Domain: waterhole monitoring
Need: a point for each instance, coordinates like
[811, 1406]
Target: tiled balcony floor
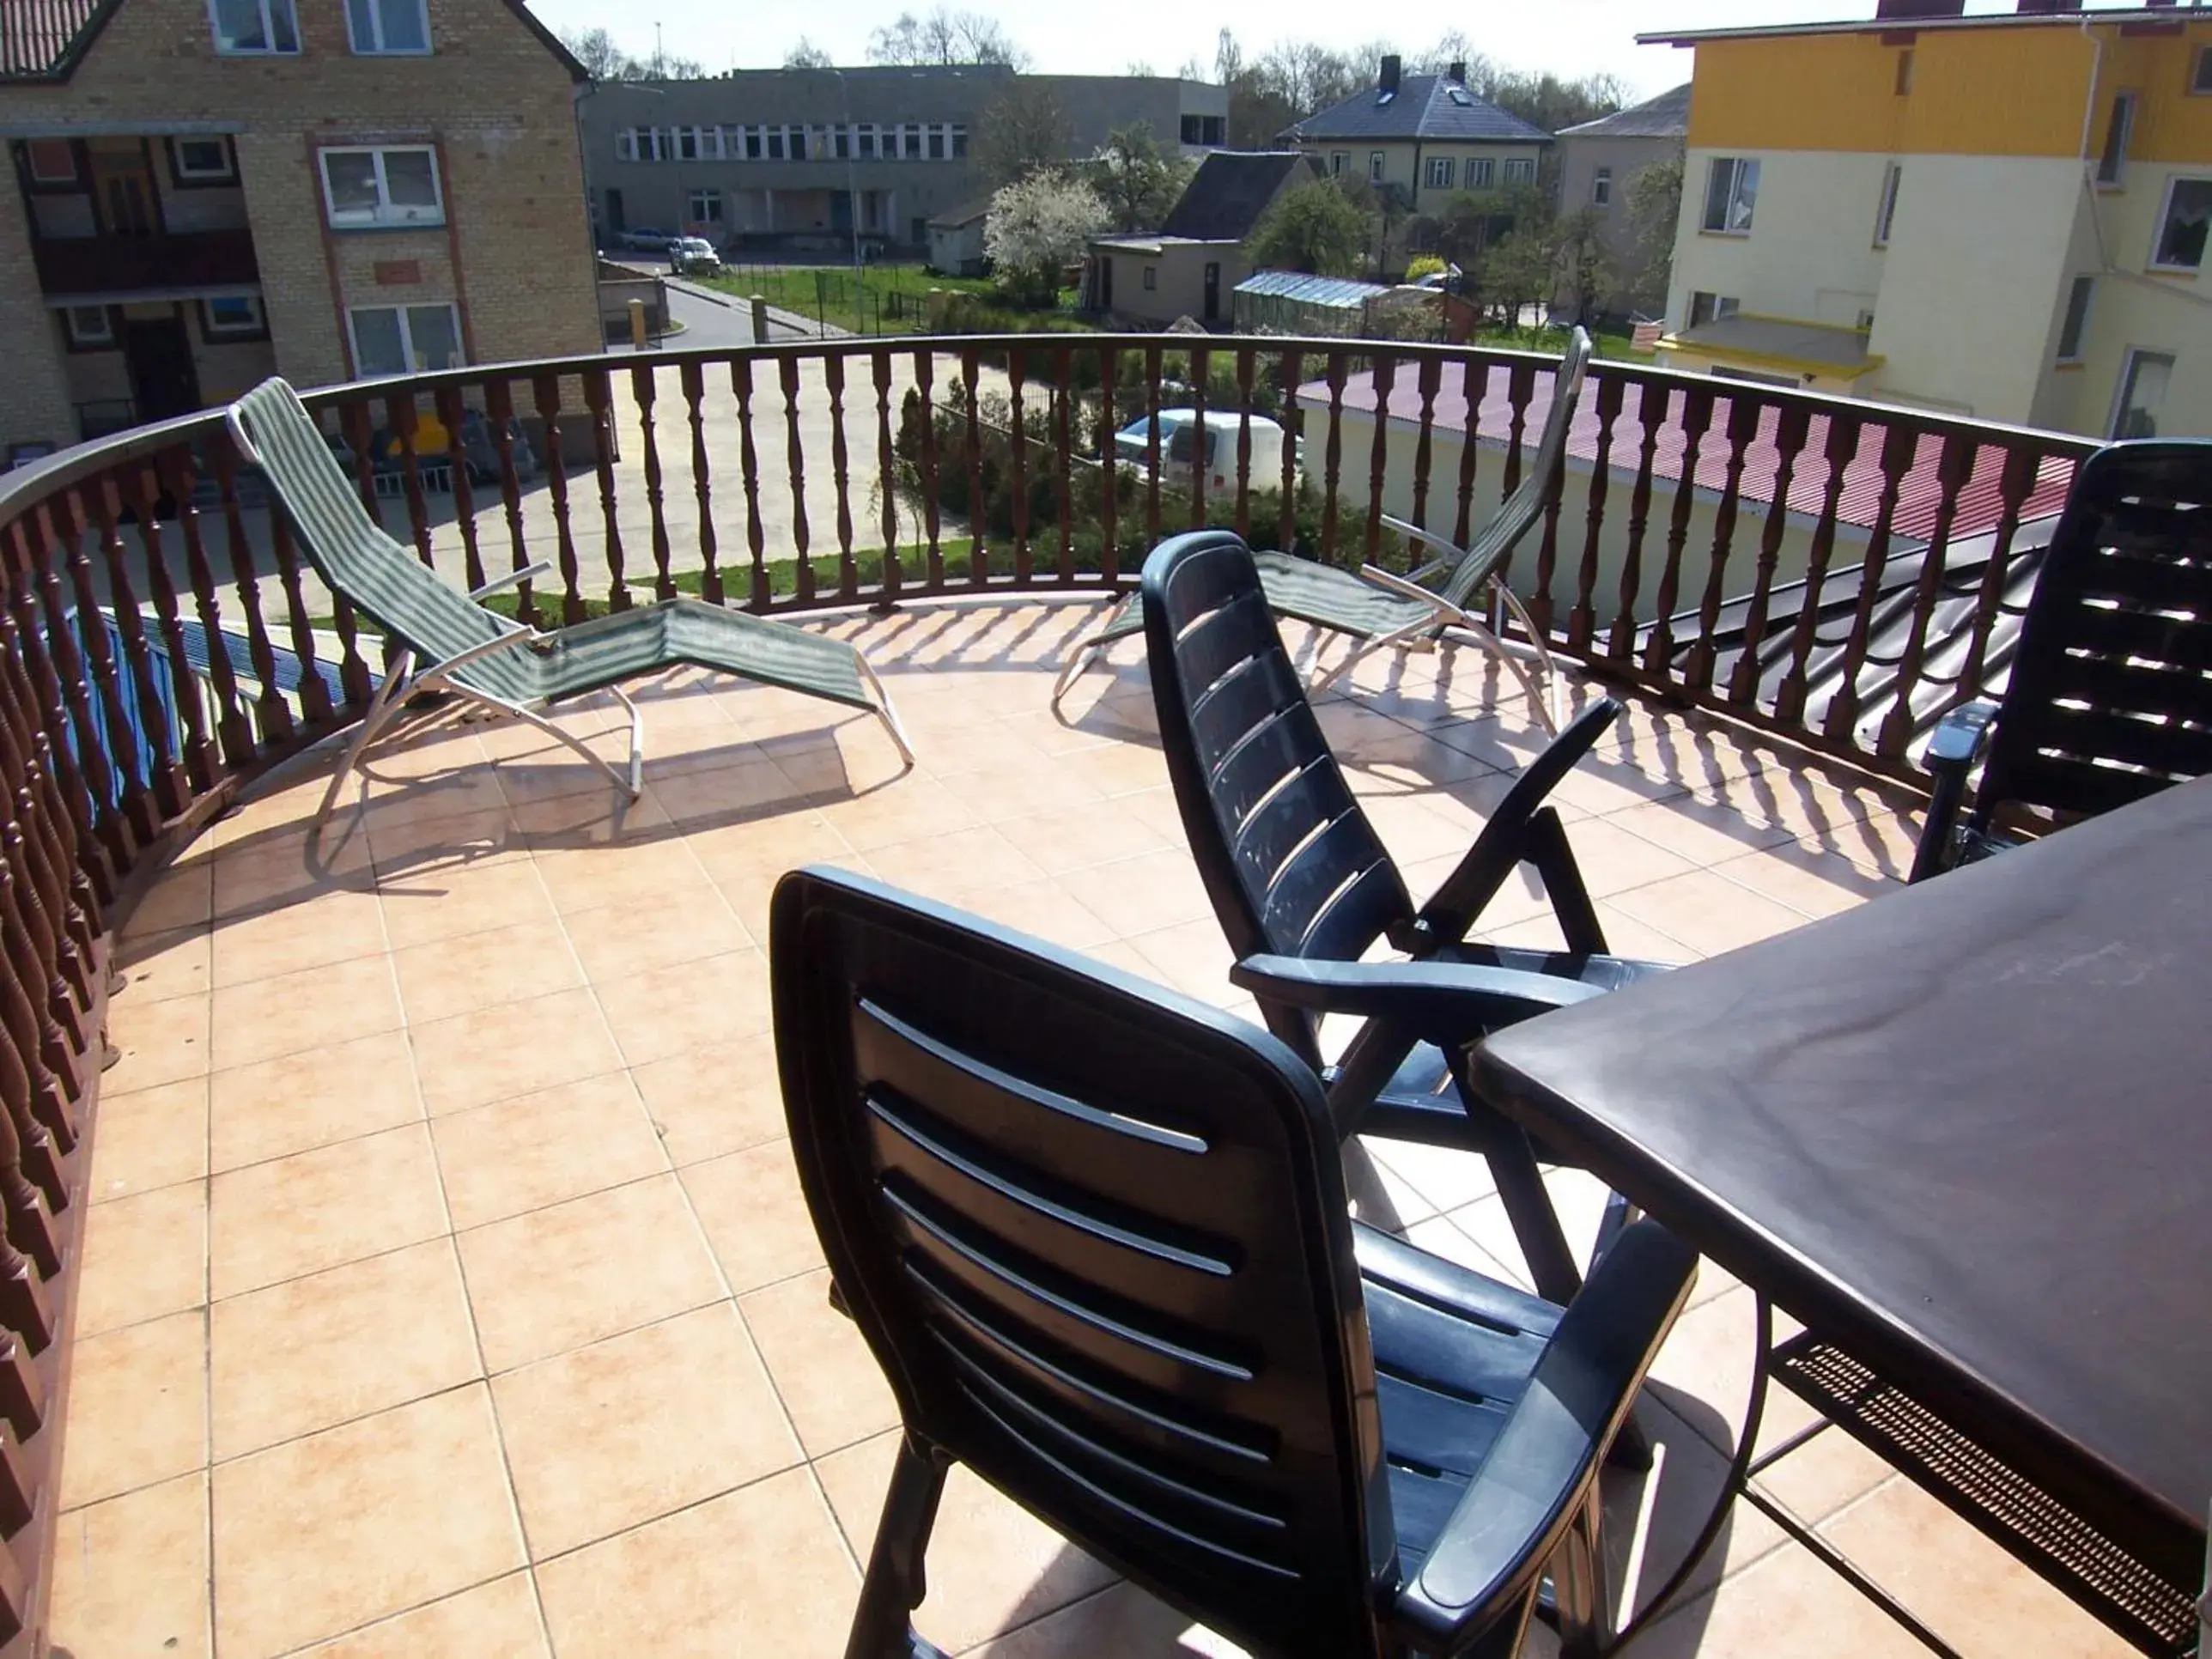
[448, 1290]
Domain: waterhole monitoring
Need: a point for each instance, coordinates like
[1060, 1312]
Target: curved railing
[1833, 570]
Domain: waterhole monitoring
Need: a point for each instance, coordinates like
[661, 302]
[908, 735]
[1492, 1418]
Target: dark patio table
[1964, 1133]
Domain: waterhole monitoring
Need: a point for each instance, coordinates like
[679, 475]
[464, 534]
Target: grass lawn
[1613, 344]
[883, 299]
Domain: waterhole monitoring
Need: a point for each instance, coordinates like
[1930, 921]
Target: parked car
[1180, 444]
[646, 241]
[694, 256]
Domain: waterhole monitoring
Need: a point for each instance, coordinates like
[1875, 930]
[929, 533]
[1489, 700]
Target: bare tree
[595, 48]
[806, 55]
[944, 36]
[1020, 131]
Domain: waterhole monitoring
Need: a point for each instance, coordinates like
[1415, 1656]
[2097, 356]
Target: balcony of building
[439, 1279]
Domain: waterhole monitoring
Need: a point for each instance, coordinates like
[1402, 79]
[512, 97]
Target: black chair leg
[1579, 1587]
[1536, 1225]
[895, 1586]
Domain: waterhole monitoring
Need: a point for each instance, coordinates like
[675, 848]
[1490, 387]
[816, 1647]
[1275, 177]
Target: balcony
[438, 1279]
[91, 267]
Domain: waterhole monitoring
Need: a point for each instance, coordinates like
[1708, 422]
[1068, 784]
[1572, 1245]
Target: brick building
[208, 191]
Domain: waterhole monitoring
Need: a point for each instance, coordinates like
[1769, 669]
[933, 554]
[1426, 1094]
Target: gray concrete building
[1598, 161]
[794, 158]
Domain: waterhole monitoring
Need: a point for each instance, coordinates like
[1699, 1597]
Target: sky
[1572, 37]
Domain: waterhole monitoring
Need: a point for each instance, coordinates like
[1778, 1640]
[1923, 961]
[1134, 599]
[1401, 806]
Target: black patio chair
[1303, 887]
[1096, 1235]
[2110, 697]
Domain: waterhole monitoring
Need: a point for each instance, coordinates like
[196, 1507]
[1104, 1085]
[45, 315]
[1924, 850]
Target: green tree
[1314, 228]
[1137, 179]
[1586, 276]
[1654, 208]
[1020, 131]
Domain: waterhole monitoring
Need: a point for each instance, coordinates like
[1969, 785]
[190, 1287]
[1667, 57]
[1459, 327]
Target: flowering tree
[1039, 226]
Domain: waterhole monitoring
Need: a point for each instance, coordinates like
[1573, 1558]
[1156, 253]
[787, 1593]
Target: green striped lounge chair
[449, 642]
[1383, 610]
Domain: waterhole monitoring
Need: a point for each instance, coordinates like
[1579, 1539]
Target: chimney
[1905, 9]
[1457, 73]
[1389, 84]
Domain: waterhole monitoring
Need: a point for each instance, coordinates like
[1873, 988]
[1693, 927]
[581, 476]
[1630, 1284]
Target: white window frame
[31, 161]
[1739, 169]
[2085, 286]
[2165, 211]
[224, 174]
[1374, 166]
[1601, 187]
[1885, 210]
[2130, 362]
[406, 331]
[1725, 306]
[1482, 173]
[703, 193]
[1519, 170]
[378, 49]
[268, 10]
[2112, 159]
[626, 144]
[383, 218]
[959, 144]
[256, 327]
[88, 340]
[2200, 79]
[1440, 171]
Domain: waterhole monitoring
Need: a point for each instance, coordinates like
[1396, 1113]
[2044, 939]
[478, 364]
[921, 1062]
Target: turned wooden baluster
[399, 414]
[741, 388]
[1520, 388]
[1428, 376]
[46, 827]
[1548, 549]
[499, 415]
[1900, 449]
[1841, 444]
[1018, 463]
[353, 423]
[54, 961]
[1200, 463]
[833, 377]
[642, 387]
[926, 394]
[979, 558]
[1152, 374]
[795, 461]
[691, 376]
[1955, 465]
[2022, 469]
[56, 1078]
[234, 731]
[1742, 431]
[1384, 380]
[1063, 397]
[887, 483]
[1582, 620]
[452, 415]
[25, 1147]
[198, 756]
[1110, 476]
[545, 395]
[599, 403]
[92, 876]
[1244, 443]
[34, 1103]
[167, 779]
[1286, 517]
[272, 713]
[1697, 417]
[126, 809]
[1652, 412]
[1792, 427]
[1332, 463]
[1473, 387]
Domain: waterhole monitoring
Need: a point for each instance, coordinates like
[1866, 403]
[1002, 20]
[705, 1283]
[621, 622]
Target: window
[798, 143]
[1440, 171]
[2201, 83]
[2113, 161]
[1521, 172]
[367, 188]
[2143, 382]
[1151, 277]
[233, 316]
[867, 140]
[53, 160]
[251, 25]
[914, 143]
[88, 326]
[380, 26]
[706, 207]
[1338, 160]
[1709, 308]
[937, 143]
[1481, 175]
[755, 142]
[1374, 166]
[687, 143]
[2181, 226]
[404, 339]
[626, 144]
[1731, 193]
[1888, 210]
[201, 162]
[1601, 187]
[1903, 85]
[2077, 320]
[959, 144]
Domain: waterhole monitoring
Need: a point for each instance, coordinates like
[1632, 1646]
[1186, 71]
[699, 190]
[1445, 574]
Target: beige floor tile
[595, 877]
[1611, 859]
[1578, 1199]
[1006, 791]
[710, 786]
[457, 976]
[545, 1148]
[294, 1013]
[262, 945]
[1044, 910]
[1703, 831]
[822, 1371]
[1060, 838]
[957, 862]
[545, 1282]
[288, 869]
[1814, 883]
[1671, 1503]
[621, 939]
[1881, 843]
[137, 1408]
[767, 845]
[1123, 1621]
[1787, 1605]
[183, 898]
[1193, 957]
[144, 1256]
[909, 810]
[311, 1352]
[274, 1221]
[160, 1042]
[664, 1010]
[317, 1536]
[992, 1565]
[159, 966]
[131, 1575]
[1141, 894]
[519, 1048]
[423, 908]
[299, 1102]
[604, 1438]
[151, 1138]
[755, 1216]
[497, 1620]
[687, 1586]
[1707, 912]
[707, 1102]
[438, 850]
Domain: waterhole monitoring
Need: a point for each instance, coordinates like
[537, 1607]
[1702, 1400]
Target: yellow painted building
[2003, 216]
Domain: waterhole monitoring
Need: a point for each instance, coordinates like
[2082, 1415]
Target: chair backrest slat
[1518, 513]
[1096, 1235]
[2110, 697]
[1290, 861]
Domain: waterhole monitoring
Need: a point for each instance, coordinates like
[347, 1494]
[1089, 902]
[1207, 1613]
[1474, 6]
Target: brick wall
[495, 101]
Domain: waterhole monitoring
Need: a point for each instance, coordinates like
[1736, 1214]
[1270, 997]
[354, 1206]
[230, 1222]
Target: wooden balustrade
[1793, 561]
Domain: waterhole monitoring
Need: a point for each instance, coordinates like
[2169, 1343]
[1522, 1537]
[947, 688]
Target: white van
[1180, 444]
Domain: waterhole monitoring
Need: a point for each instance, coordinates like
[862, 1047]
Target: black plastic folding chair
[2110, 697]
[1303, 887]
[1096, 1235]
